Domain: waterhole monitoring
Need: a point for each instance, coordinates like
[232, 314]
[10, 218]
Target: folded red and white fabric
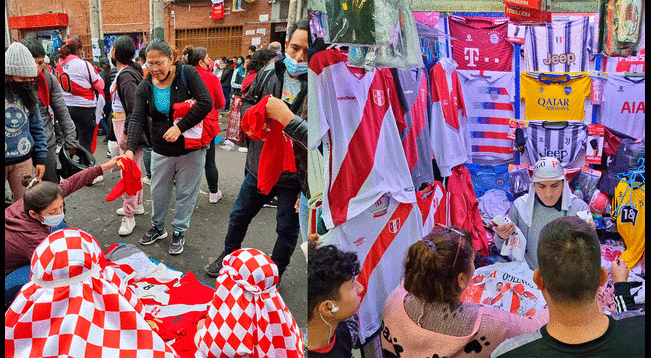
[247, 316]
[75, 306]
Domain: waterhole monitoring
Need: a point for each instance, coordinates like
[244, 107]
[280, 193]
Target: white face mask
[53, 220]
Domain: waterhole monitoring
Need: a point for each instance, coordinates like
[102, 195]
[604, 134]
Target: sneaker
[176, 245]
[243, 149]
[140, 209]
[214, 198]
[146, 180]
[273, 203]
[213, 268]
[152, 235]
[127, 225]
[99, 179]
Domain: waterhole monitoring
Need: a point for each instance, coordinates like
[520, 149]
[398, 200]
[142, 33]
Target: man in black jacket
[286, 81]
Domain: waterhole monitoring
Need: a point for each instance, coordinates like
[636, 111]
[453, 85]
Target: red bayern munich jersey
[480, 43]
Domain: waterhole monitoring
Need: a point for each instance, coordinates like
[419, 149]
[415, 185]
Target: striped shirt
[563, 143]
[564, 45]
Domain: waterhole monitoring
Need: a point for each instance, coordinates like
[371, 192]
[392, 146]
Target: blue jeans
[302, 213]
[227, 96]
[146, 158]
[249, 202]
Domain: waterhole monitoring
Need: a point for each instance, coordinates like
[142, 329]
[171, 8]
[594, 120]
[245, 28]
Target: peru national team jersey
[77, 88]
[381, 236]
[354, 119]
[623, 107]
[564, 45]
[480, 43]
[450, 137]
[411, 87]
[555, 96]
[489, 103]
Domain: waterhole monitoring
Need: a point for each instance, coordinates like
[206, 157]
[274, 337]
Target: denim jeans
[146, 159]
[227, 96]
[247, 205]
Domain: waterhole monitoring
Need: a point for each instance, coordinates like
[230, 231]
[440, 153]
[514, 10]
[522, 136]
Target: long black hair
[194, 54]
[125, 49]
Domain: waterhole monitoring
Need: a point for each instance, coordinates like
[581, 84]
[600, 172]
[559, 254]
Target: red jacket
[214, 87]
[464, 207]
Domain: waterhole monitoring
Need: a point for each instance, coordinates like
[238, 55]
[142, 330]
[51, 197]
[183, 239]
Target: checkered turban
[73, 307]
[247, 317]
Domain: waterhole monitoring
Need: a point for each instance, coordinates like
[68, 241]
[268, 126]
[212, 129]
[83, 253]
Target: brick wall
[128, 16]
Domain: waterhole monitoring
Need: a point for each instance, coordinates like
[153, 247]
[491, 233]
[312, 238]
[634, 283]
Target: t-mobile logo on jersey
[472, 54]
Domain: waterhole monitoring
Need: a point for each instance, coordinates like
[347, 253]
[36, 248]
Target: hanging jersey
[431, 202]
[625, 64]
[563, 143]
[357, 124]
[450, 137]
[507, 286]
[480, 43]
[76, 85]
[380, 236]
[628, 209]
[623, 109]
[411, 87]
[554, 96]
[564, 45]
[489, 103]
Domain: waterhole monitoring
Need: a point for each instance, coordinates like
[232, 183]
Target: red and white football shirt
[412, 90]
[623, 107]
[480, 43]
[381, 236]
[75, 82]
[450, 136]
[431, 202]
[489, 103]
[357, 118]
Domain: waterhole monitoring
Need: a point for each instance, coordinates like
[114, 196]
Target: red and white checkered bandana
[72, 307]
[247, 317]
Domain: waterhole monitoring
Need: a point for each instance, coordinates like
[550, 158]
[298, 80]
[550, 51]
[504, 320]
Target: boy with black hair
[333, 299]
[569, 276]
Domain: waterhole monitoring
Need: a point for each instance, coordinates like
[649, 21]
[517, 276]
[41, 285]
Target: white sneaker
[243, 149]
[140, 209]
[146, 180]
[214, 198]
[98, 180]
[127, 225]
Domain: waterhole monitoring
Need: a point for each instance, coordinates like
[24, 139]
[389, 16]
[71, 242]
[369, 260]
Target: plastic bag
[351, 22]
[585, 182]
[625, 160]
[516, 244]
[486, 177]
[519, 179]
[395, 22]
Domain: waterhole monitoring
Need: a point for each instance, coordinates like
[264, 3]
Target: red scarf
[130, 182]
[277, 153]
[42, 89]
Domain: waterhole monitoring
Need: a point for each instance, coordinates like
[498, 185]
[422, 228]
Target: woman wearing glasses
[427, 318]
[171, 163]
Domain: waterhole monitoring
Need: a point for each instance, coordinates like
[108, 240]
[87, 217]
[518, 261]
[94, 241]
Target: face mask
[53, 220]
[294, 68]
[114, 62]
[22, 87]
[239, 62]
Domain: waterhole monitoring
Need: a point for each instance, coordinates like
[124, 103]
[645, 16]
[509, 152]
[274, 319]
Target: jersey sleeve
[318, 125]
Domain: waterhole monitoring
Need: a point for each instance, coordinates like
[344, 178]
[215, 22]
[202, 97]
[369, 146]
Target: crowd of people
[53, 113]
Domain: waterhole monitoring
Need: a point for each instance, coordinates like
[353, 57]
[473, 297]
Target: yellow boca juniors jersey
[554, 96]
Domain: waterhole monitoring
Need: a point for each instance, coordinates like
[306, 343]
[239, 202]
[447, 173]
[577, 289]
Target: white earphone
[334, 307]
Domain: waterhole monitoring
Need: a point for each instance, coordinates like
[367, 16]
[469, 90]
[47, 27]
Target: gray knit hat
[19, 61]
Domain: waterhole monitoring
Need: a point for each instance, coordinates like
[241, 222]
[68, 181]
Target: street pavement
[87, 209]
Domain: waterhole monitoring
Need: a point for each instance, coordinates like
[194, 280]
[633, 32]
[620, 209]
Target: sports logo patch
[394, 226]
[567, 90]
[378, 97]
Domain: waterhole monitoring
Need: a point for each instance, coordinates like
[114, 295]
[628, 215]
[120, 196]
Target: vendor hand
[277, 110]
[297, 206]
[111, 163]
[172, 134]
[505, 230]
[201, 323]
[314, 238]
[72, 151]
[128, 154]
[40, 170]
[619, 270]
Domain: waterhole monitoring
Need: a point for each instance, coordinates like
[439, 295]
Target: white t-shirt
[354, 119]
[380, 236]
[77, 88]
[623, 106]
[116, 103]
[489, 103]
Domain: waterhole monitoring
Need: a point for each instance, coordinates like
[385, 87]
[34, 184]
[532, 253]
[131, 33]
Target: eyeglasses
[155, 65]
[462, 235]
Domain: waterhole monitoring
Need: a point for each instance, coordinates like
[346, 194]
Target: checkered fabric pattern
[247, 317]
[73, 308]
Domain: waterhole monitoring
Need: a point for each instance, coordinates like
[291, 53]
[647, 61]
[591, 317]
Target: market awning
[30, 22]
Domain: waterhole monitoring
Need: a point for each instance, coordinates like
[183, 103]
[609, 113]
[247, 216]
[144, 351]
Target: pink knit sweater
[403, 338]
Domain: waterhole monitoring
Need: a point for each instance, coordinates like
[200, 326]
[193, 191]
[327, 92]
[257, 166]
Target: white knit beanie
[19, 61]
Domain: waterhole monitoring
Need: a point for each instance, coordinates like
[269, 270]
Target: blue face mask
[295, 68]
[53, 220]
[239, 62]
